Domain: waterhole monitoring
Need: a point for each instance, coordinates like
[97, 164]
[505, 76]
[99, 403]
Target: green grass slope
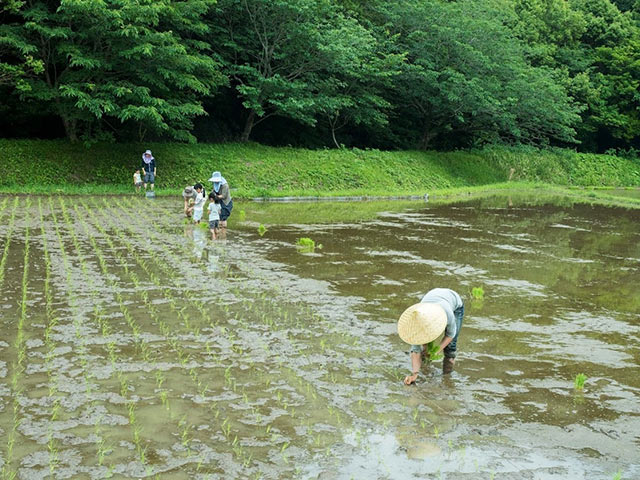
[256, 170]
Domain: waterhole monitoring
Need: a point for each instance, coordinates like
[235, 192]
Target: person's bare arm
[416, 363]
[443, 344]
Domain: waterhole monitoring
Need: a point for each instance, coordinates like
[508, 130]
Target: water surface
[134, 346]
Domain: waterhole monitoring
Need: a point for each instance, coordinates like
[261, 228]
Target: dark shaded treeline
[375, 73]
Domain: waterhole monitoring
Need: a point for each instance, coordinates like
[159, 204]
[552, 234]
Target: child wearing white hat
[441, 310]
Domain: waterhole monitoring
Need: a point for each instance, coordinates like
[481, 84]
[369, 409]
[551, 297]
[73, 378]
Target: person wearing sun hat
[221, 191]
[440, 310]
[148, 166]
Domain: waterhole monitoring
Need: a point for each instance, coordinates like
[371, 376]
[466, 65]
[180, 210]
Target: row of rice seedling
[77, 315]
[148, 355]
[50, 346]
[168, 330]
[7, 242]
[249, 306]
[9, 470]
[3, 206]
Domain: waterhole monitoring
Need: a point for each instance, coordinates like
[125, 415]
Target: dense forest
[387, 74]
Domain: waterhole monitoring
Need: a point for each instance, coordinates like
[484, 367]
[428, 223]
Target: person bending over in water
[440, 310]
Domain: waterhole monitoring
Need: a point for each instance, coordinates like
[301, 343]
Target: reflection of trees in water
[583, 254]
[537, 259]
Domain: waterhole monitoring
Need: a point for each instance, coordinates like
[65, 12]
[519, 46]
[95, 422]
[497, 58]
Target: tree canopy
[377, 73]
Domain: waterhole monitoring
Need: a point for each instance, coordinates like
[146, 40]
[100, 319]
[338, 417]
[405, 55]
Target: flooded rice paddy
[133, 346]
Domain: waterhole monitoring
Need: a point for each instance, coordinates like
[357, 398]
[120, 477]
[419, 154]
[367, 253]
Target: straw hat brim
[422, 323]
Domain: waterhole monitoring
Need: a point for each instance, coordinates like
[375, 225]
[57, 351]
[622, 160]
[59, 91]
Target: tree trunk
[333, 135]
[248, 126]
[427, 136]
[70, 128]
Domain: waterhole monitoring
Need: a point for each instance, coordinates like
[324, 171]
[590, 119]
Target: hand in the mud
[409, 379]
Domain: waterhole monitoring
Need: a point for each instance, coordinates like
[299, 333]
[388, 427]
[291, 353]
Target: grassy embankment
[253, 170]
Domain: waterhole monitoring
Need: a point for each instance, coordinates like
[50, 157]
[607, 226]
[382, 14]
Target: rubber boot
[447, 365]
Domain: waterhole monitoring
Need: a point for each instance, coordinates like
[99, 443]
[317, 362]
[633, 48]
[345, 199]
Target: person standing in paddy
[148, 168]
[440, 310]
[222, 193]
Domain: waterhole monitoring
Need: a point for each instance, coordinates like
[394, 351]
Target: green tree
[611, 45]
[594, 51]
[300, 59]
[106, 63]
[467, 78]
[354, 83]
[16, 55]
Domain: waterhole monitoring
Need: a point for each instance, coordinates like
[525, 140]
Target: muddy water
[133, 346]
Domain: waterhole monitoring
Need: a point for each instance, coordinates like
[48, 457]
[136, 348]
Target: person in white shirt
[137, 180]
[198, 205]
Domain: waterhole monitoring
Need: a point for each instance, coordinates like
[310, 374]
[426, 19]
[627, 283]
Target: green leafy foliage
[130, 62]
[382, 74]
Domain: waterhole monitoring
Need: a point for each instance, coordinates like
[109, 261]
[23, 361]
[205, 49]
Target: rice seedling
[184, 359]
[432, 351]
[9, 237]
[262, 230]
[578, 382]
[8, 470]
[477, 293]
[305, 245]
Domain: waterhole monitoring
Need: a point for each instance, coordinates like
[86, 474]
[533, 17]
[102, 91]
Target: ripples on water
[145, 349]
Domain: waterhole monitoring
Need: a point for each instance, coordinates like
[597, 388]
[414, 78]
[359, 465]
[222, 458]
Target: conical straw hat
[422, 323]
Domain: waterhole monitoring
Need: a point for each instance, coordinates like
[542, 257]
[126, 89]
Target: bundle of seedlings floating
[477, 298]
[306, 245]
[477, 293]
[578, 382]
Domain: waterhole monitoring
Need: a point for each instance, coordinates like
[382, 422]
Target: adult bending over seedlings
[221, 191]
[440, 310]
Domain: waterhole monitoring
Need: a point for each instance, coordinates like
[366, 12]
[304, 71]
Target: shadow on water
[146, 349]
